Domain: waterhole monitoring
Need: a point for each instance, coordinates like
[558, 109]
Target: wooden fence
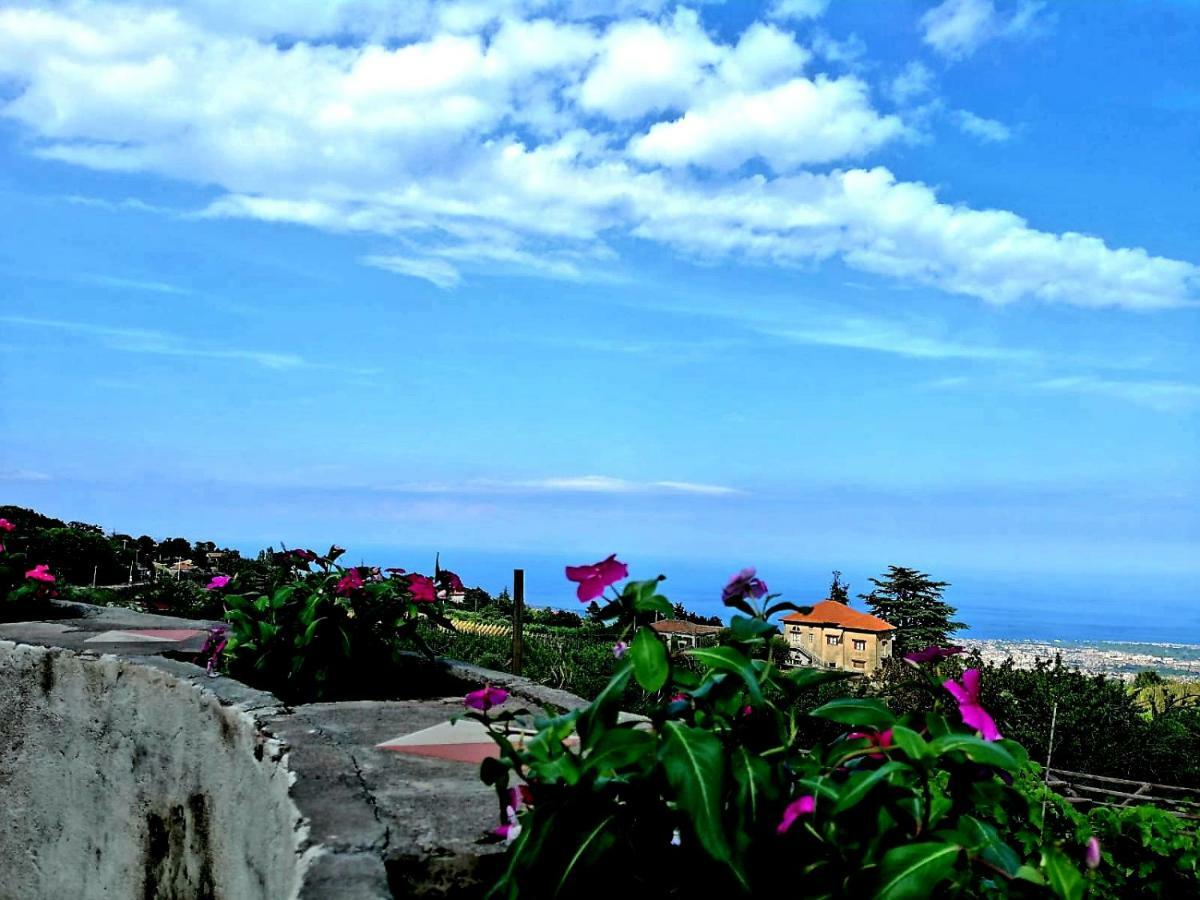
[1085, 790]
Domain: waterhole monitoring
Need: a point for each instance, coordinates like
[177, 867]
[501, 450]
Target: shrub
[327, 633]
[713, 794]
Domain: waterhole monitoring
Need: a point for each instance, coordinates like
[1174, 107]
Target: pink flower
[6, 525]
[742, 585]
[595, 578]
[485, 698]
[421, 589]
[40, 573]
[349, 582]
[1091, 856]
[880, 739]
[450, 582]
[219, 581]
[304, 555]
[620, 648]
[801, 806]
[973, 714]
[932, 653]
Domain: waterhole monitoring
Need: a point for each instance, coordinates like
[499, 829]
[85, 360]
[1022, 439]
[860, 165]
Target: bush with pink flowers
[317, 630]
[712, 794]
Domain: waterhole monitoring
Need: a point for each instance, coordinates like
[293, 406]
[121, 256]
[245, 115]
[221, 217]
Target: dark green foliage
[912, 601]
[838, 589]
[693, 802]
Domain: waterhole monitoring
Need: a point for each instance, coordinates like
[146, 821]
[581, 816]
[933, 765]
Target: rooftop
[830, 612]
[679, 626]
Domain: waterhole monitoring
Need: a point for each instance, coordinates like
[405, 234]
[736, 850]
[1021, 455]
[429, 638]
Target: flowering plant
[322, 630]
[712, 793]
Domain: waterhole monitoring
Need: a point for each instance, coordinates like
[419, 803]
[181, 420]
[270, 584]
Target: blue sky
[830, 287]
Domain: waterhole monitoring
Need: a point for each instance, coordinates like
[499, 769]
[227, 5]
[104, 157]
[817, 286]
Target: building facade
[680, 634]
[834, 636]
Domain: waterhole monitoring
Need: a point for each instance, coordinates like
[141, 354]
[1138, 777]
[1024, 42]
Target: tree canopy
[912, 601]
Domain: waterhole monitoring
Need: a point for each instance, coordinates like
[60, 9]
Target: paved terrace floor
[381, 823]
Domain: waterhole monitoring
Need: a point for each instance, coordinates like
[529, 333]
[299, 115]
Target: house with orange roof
[834, 636]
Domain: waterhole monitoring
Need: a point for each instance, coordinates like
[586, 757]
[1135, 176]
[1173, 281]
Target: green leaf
[752, 774]
[745, 630]
[1030, 874]
[913, 871]
[806, 678]
[727, 659]
[601, 713]
[909, 741]
[850, 711]
[981, 838]
[780, 607]
[649, 657]
[619, 748]
[594, 844]
[978, 750]
[861, 783]
[693, 761]
[1064, 879]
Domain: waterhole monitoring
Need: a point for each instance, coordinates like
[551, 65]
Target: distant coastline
[1117, 659]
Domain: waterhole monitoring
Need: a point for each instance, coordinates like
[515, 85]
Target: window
[859, 664]
[860, 645]
[832, 640]
[833, 665]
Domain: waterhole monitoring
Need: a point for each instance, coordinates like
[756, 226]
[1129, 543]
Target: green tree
[912, 601]
[838, 589]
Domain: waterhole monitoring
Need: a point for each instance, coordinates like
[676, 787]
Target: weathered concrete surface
[295, 802]
[119, 780]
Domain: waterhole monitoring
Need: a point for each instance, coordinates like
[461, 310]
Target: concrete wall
[118, 780]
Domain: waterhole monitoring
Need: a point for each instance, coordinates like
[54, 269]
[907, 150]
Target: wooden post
[518, 620]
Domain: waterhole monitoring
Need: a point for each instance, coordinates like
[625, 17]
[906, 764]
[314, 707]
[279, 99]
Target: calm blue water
[1150, 608]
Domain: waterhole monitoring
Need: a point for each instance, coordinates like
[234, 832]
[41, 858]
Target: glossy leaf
[649, 658]
[909, 741]
[693, 761]
[913, 871]
[1061, 876]
[855, 790]
[727, 659]
[977, 750]
[852, 711]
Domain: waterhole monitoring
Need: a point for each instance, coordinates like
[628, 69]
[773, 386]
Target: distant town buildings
[834, 636]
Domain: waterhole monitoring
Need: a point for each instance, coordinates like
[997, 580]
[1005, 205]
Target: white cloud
[914, 81]
[797, 123]
[1160, 395]
[533, 145]
[897, 338]
[957, 28]
[797, 10]
[574, 484]
[985, 129]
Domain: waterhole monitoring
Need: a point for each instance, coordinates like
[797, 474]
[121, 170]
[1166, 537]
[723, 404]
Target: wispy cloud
[988, 130]
[134, 284]
[572, 484]
[159, 343]
[1160, 395]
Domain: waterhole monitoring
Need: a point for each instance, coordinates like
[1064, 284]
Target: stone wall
[119, 780]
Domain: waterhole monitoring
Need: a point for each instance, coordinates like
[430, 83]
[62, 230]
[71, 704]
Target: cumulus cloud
[957, 28]
[539, 141]
[985, 129]
[797, 10]
[914, 81]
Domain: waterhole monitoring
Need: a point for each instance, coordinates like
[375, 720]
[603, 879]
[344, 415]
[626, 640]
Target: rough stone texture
[132, 775]
[119, 780]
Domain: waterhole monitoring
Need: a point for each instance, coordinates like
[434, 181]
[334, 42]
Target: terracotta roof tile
[830, 612]
[679, 626]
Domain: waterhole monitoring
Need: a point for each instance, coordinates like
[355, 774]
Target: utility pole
[1049, 754]
[518, 620]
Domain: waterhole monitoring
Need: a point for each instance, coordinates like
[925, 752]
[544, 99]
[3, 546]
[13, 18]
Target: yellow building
[834, 636]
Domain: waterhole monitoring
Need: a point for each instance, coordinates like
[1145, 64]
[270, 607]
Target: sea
[1009, 605]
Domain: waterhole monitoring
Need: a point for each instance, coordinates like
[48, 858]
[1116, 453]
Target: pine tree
[838, 589]
[912, 601]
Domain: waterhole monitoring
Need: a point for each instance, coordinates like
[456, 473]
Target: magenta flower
[972, 712]
[1091, 855]
[349, 582]
[932, 653]
[6, 525]
[801, 806]
[742, 585]
[880, 739]
[304, 555]
[595, 578]
[620, 648]
[214, 645]
[40, 573]
[449, 582]
[485, 698]
[219, 581]
[421, 589]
